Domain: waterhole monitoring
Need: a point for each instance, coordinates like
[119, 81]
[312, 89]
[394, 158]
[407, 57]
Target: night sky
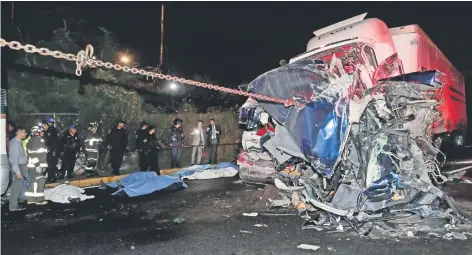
[234, 42]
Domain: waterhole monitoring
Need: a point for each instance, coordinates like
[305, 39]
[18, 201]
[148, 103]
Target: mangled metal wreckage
[359, 150]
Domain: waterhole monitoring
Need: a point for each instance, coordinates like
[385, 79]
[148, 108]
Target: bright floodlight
[125, 59]
[173, 86]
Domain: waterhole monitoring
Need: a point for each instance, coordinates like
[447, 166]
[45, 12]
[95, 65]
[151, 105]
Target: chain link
[85, 59]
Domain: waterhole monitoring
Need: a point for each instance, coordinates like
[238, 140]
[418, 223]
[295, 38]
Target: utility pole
[161, 60]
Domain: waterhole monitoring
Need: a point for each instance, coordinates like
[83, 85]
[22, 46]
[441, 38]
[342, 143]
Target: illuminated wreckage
[359, 154]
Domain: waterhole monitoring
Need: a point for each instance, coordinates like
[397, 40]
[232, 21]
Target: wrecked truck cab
[358, 145]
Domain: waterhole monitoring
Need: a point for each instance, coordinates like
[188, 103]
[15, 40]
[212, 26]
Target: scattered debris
[132, 247]
[455, 235]
[245, 231]
[261, 225]
[410, 234]
[308, 247]
[179, 220]
[284, 202]
[253, 214]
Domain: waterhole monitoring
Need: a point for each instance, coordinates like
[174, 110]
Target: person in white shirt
[198, 143]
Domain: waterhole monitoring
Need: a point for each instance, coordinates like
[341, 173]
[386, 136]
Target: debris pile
[359, 155]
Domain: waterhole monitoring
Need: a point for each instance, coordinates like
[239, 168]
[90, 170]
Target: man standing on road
[18, 163]
[70, 146]
[214, 133]
[198, 143]
[176, 143]
[141, 134]
[52, 142]
[117, 141]
[37, 164]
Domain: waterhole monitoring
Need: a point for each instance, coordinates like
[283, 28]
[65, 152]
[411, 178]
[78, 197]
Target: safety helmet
[36, 129]
[49, 120]
[72, 126]
[93, 124]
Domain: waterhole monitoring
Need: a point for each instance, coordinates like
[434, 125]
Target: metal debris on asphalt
[308, 247]
[253, 214]
[179, 220]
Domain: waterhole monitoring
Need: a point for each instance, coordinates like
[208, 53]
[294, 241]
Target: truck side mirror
[283, 62]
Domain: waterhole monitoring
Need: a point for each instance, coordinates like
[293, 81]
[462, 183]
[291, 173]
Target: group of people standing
[34, 157]
[148, 145]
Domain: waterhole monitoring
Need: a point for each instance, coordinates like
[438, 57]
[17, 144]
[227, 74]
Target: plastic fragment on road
[179, 220]
[308, 247]
[143, 183]
[253, 214]
[260, 225]
[65, 194]
[245, 232]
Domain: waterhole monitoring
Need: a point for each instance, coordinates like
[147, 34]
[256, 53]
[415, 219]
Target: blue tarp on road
[143, 183]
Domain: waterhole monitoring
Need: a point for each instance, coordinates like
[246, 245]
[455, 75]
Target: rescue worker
[18, 162]
[213, 133]
[70, 148]
[90, 144]
[198, 143]
[176, 143]
[117, 141]
[37, 165]
[151, 147]
[141, 134]
[52, 142]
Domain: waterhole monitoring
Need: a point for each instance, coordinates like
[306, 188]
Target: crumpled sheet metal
[318, 128]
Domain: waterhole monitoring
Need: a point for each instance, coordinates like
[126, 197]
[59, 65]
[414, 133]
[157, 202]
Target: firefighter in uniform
[37, 164]
[70, 148]
[90, 144]
[117, 141]
[141, 134]
[52, 142]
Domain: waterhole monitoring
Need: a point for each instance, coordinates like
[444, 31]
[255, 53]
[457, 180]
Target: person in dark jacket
[52, 142]
[70, 148]
[11, 130]
[117, 141]
[141, 134]
[151, 146]
[90, 144]
[37, 164]
[176, 143]
[213, 134]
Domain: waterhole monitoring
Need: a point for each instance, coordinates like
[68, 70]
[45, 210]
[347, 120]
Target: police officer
[141, 134]
[37, 163]
[117, 141]
[151, 146]
[90, 144]
[52, 142]
[176, 143]
[70, 148]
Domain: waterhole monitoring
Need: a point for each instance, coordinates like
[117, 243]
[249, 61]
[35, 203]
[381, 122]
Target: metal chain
[85, 58]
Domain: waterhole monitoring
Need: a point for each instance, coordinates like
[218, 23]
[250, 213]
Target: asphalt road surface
[213, 225]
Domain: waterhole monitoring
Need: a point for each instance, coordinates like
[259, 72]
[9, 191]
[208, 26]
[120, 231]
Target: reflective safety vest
[37, 152]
